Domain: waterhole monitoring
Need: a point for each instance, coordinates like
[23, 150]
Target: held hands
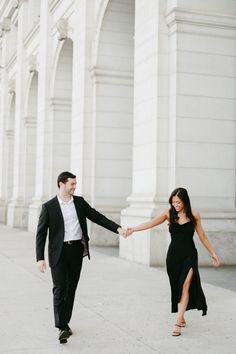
[125, 232]
[129, 231]
[122, 232]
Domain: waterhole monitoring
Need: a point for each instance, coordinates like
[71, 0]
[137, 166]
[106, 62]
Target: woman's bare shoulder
[196, 214]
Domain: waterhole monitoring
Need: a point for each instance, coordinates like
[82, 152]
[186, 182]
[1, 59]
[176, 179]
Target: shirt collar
[62, 202]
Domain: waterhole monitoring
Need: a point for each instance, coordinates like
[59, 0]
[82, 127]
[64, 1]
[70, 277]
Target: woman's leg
[183, 303]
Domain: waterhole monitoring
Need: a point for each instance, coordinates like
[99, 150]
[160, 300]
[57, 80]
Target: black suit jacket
[51, 219]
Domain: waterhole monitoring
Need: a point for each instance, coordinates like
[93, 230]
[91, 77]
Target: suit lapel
[78, 210]
[57, 207]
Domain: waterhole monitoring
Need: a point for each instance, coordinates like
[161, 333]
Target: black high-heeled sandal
[175, 333]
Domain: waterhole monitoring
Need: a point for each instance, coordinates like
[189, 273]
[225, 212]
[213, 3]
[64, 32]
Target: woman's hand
[215, 260]
[129, 231]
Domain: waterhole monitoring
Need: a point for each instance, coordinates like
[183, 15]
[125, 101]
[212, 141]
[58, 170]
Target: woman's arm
[206, 243]
[149, 224]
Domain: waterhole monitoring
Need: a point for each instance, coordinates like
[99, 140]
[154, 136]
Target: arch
[100, 16]
[56, 59]
[61, 106]
[32, 76]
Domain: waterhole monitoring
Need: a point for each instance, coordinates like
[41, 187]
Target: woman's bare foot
[183, 323]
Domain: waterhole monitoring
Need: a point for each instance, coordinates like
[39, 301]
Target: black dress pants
[65, 276]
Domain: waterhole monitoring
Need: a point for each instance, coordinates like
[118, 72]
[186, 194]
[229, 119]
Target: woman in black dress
[182, 257]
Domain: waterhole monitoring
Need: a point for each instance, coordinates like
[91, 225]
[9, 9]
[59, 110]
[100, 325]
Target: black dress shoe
[63, 336]
[68, 329]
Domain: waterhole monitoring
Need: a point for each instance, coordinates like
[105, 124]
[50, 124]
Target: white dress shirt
[73, 229]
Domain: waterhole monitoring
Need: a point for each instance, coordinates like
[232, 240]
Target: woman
[182, 257]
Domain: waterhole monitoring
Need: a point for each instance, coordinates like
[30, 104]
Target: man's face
[69, 187]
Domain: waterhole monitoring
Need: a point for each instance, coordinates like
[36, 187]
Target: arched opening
[61, 112]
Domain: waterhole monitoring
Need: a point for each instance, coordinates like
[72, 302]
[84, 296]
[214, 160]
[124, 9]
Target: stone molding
[11, 86]
[54, 4]
[111, 76]
[5, 25]
[11, 63]
[32, 63]
[62, 29]
[9, 8]
[30, 122]
[210, 21]
[9, 133]
[60, 103]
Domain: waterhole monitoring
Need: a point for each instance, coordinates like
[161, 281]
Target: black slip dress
[181, 257]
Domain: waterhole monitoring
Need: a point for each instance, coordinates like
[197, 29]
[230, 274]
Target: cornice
[180, 16]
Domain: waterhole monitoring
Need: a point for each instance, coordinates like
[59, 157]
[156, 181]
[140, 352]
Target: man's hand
[42, 266]
[121, 232]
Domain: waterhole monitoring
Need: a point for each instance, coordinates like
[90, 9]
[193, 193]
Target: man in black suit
[64, 217]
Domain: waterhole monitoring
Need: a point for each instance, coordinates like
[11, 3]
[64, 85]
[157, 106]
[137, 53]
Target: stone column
[44, 128]
[3, 100]
[150, 144]
[16, 208]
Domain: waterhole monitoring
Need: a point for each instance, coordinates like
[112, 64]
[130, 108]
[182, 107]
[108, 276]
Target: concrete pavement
[120, 308]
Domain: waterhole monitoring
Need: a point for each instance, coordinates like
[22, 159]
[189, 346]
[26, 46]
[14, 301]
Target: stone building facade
[136, 97]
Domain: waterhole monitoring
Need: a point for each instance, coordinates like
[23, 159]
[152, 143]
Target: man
[65, 217]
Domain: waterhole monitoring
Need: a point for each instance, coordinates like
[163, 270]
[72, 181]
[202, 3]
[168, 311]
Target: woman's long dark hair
[182, 194]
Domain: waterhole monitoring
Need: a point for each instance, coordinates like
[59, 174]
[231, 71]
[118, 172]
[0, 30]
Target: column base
[99, 236]
[3, 212]
[17, 214]
[146, 247]
[34, 212]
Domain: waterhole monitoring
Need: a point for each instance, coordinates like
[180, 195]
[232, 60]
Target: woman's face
[177, 204]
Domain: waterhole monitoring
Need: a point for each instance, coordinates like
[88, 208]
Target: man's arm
[41, 236]
[100, 219]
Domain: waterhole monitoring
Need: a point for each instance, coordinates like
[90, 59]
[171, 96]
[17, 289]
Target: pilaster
[16, 209]
[3, 108]
[44, 128]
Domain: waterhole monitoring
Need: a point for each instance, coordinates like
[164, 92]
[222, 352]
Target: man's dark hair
[63, 177]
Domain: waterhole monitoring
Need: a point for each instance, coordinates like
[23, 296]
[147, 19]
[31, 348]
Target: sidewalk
[120, 308]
